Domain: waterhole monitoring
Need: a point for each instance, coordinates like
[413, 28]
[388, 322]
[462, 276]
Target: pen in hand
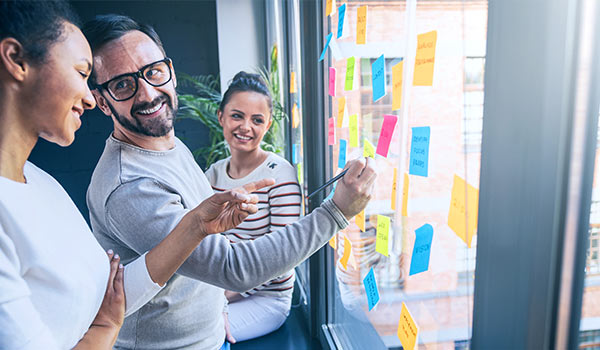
[339, 176]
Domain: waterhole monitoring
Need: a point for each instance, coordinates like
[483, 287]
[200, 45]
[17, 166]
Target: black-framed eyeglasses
[125, 86]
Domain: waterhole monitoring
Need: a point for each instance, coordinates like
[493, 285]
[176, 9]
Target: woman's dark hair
[246, 82]
[105, 28]
[35, 24]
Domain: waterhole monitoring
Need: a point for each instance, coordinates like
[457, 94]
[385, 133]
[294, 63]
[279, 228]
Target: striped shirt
[278, 206]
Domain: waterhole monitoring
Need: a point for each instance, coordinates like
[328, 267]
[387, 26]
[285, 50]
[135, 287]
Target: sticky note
[333, 242]
[329, 7]
[329, 36]
[342, 154]
[383, 230]
[353, 130]
[367, 122]
[423, 74]
[293, 88]
[349, 74]
[330, 195]
[346, 256]
[341, 111]
[419, 151]
[394, 186]
[463, 211]
[341, 15]
[361, 25]
[294, 153]
[419, 261]
[331, 131]
[368, 149]
[295, 116]
[385, 136]
[397, 85]
[371, 289]
[300, 174]
[331, 81]
[405, 196]
[378, 78]
[407, 329]
[360, 220]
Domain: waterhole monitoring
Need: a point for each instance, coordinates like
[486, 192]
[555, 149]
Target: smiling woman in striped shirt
[245, 115]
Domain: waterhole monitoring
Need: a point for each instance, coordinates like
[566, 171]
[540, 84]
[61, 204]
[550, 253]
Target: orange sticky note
[295, 116]
[293, 88]
[346, 256]
[329, 7]
[360, 220]
[397, 86]
[383, 231]
[405, 196]
[425, 58]
[394, 186]
[463, 211]
[361, 25]
[369, 149]
[333, 242]
[353, 130]
[341, 110]
[407, 329]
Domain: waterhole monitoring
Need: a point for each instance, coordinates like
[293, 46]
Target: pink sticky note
[331, 81]
[385, 137]
[331, 132]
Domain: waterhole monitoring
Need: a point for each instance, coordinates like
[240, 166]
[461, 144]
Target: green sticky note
[300, 174]
[349, 74]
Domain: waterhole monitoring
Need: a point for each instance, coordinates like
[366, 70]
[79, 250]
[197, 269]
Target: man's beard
[154, 127]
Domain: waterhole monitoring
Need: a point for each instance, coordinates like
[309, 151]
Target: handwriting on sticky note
[331, 132]
[383, 231]
[329, 7]
[361, 25]
[407, 329]
[425, 58]
[419, 151]
[341, 111]
[394, 188]
[342, 154]
[293, 88]
[368, 149]
[397, 85]
[331, 81]
[349, 74]
[353, 130]
[419, 261]
[346, 256]
[385, 136]
[378, 78]
[405, 196]
[360, 220]
[300, 174]
[328, 40]
[371, 289]
[462, 216]
[341, 15]
[333, 242]
[295, 116]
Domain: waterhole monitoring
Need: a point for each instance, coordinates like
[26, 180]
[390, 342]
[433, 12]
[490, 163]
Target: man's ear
[101, 102]
[174, 75]
[12, 58]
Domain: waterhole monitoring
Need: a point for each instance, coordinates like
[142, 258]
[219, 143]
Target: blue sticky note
[341, 15]
[294, 153]
[331, 193]
[342, 155]
[325, 47]
[422, 249]
[419, 151]
[378, 78]
[371, 289]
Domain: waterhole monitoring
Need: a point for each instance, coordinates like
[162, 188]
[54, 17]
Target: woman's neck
[16, 143]
[243, 163]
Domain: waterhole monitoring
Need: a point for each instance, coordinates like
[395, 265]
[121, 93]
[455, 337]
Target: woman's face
[245, 120]
[57, 91]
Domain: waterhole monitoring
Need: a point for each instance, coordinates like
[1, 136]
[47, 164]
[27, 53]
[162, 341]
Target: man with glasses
[147, 179]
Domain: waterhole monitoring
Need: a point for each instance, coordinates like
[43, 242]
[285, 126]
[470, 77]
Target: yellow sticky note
[361, 25]
[423, 74]
[394, 186]
[397, 86]
[407, 329]
[383, 231]
[346, 256]
[369, 149]
[360, 220]
[295, 116]
[293, 88]
[463, 211]
[333, 242]
[300, 174]
[354, 130]
[329, 7]
[341, 109]
[405, 196]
